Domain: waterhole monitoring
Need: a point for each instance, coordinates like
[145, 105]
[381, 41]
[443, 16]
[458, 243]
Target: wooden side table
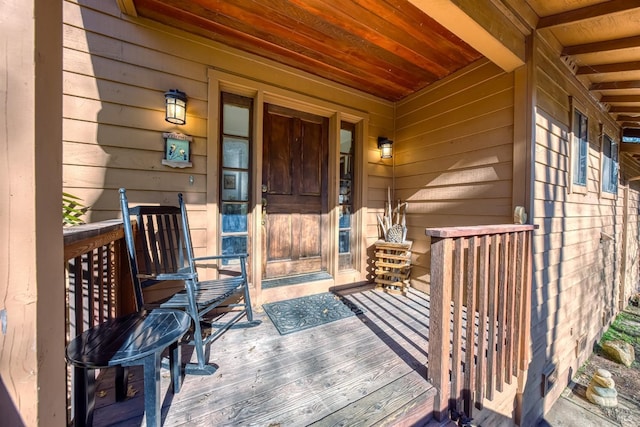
[393, 266]
[136, 339]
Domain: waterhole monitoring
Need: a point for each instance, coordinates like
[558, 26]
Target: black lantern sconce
[176, 107]
[385, 145]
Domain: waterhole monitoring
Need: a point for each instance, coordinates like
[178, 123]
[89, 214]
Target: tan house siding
[577, 249]
[116, 69]
[454, 151]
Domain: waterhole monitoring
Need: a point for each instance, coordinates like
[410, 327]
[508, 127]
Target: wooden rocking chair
[166, 252]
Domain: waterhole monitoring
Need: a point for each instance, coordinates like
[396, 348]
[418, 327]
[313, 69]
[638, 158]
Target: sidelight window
[345, 196]
[579, 149]
[235, 172]
[609, 165]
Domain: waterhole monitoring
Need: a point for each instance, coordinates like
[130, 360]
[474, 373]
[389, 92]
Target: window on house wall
[235, 176]
[346, 235]
[580, 148]
[609, 165]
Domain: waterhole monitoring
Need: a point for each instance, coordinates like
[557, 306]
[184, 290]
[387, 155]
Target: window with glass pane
[235, 174]
[609, 165]
[580, 148]
[345, 196]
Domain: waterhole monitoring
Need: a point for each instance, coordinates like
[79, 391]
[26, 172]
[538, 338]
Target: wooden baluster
[457, 378]
[482, 321]
[492, 309]
[511, 309]
[502, 310]
[470, 363]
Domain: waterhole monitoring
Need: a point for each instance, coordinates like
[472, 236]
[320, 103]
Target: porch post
[439, 323]
[32, 319]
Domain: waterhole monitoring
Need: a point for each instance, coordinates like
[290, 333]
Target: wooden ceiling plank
[629, 84]
[487, 36]
[311, 36]
[409, 28]
[602, 46]
[340, 35]
[608, 68]
[587, 12]
[234, 38]
[387, 35]
[626, 147]
[301, 43]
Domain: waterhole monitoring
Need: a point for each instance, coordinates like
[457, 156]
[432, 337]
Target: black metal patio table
[136, 339]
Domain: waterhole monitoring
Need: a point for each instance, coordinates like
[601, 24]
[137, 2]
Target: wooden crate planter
[393, 266]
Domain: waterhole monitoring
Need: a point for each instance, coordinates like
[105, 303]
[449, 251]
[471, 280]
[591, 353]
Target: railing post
[439, 323]
[525, 325]
[125, 299]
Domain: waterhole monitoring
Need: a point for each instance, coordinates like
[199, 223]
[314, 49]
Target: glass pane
[345, 217]
[346, 141]
[235, 185]
[343, 242]
[233, 245]
[235, 153]
[236, 120]
[346, 166]
[234, 217]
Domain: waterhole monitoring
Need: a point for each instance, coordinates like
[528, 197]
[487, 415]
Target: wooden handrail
[480, 284]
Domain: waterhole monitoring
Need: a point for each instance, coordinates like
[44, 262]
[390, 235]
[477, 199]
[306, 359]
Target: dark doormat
[298, 314]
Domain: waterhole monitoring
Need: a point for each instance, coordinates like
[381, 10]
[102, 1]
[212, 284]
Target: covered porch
[376, 367]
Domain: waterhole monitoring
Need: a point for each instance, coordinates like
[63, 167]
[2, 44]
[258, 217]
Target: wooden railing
[480, 313]
[97, 272]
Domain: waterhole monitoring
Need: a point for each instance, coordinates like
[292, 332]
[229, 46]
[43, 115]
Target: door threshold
[295, 280]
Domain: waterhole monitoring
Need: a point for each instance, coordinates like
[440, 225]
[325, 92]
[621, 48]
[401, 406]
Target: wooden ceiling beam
[602, 46]
[630, 84]
[624, 109]
[127, 7]
[482, 26]
[634, 119]
[608, 68]
[587, 12]
[620, 98]
[630, 125]
[630, 133]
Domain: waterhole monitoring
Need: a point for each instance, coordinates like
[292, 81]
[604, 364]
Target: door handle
[264, 211]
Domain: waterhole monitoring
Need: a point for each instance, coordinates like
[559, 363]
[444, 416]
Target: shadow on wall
[10, 414]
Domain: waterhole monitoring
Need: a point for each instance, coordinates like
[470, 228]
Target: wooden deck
[364, 370]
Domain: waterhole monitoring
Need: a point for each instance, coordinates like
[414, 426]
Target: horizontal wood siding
[577, 250]
[453, 156]
[116, 69]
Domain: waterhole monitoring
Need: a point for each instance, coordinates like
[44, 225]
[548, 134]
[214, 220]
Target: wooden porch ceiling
[393, 48]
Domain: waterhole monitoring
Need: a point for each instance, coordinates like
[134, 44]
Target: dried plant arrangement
[394, 221]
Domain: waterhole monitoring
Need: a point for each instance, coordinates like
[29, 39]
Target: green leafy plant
[72, 210]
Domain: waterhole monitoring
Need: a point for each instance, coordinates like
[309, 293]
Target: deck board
[365, 370]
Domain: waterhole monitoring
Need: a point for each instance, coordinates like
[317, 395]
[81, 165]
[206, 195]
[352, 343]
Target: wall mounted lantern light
[176, 106]
[385, 145]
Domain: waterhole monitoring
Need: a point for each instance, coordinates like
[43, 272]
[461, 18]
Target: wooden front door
[294, 193]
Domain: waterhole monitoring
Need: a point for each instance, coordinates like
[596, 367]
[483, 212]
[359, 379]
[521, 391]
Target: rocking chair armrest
[168, 276]
[230, 256]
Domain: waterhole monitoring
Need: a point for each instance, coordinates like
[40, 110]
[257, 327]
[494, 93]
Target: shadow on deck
[368, 369]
